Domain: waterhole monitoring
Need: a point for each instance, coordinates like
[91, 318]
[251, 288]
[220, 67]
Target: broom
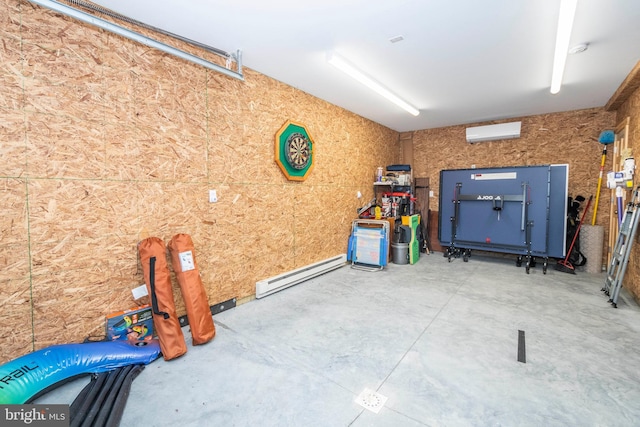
[565, 265]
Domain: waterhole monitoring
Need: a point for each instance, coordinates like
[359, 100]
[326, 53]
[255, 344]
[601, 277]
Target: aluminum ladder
[622, 250]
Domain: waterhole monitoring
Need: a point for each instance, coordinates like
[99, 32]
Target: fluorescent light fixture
[565, 23]
[349, 69]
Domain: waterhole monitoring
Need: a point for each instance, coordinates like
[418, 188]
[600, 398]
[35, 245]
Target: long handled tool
[565, 265]
[606, 137]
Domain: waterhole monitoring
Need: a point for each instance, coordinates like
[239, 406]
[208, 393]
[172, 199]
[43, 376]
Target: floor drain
[371, 400]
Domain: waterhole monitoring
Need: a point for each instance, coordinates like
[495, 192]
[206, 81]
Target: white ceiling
[461, 61]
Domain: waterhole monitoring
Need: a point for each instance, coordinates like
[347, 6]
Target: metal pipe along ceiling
[99, 9]
[132, 35]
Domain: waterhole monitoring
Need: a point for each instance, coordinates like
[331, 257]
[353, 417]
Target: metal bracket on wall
[132, 35]
[215, 309]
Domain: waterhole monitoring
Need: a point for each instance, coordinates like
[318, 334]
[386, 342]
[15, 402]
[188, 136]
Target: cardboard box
[135, 324]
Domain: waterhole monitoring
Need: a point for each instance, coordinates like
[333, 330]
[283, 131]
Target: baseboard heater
[282, 281]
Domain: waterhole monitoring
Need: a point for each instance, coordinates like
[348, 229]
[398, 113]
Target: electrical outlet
[213, 196]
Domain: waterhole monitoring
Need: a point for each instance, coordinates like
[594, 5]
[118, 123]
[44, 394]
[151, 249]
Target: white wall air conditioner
[493, 132]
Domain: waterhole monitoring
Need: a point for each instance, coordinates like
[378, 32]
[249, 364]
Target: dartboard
[298, 151]
[294, 151]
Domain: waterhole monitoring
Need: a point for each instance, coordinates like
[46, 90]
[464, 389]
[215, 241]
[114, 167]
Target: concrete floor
[439, 340]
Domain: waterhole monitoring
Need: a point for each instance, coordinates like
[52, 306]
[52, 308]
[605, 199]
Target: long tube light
[348, 69]
[565, 24]
[132, 35]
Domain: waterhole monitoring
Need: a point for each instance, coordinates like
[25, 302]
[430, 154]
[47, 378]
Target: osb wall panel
[11, 96]
[106, 142]
[15, 297]
[570, 137]
[631, 109]
[13, 150]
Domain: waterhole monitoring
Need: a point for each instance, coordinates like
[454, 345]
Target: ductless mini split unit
[493, 132]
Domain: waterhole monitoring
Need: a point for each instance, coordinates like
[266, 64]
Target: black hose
[108, 404]
[100, 398]
[77, 402]
[121, 400]
[82, 404]
[101, 403]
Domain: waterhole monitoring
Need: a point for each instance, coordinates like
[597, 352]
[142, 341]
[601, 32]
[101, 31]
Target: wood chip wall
[106, 141]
